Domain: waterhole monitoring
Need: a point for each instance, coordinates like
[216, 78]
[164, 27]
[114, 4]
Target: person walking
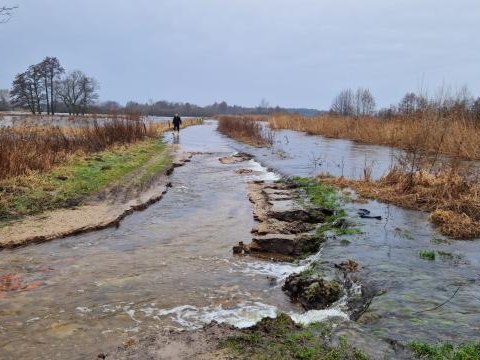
[177, 121]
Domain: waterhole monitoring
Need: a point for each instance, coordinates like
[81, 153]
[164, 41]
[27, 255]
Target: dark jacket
[177, 120]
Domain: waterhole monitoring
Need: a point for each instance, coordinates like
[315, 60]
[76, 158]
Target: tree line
[361, 103]
[167, 108]
[44, 85]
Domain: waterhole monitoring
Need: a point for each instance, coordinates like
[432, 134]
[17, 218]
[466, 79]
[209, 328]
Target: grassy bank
[82, 175]
[245, 129]
[280, 338]
[469, 351]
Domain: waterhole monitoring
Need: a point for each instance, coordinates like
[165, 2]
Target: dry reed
[37, 149]
[451, 195]
[246, 129]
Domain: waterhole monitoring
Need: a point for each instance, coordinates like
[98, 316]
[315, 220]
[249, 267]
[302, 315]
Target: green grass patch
[281, 339]
[312, 271]
[67, 185]
[320, 194]
[326, 196]
[445, 351]
[427, 254]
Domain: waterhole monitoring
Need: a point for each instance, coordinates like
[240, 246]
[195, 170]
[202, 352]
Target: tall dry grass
[429, 132]
[451, 195]
[37, 149]
[243, 117]
[245, 129]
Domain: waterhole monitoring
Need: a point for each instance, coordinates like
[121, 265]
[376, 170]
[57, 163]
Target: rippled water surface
[172, 266]
[388, 250]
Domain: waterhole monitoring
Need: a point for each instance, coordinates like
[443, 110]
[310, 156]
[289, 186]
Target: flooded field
[63, 120]
[172, 264]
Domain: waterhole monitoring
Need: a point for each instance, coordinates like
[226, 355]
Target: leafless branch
[6, 13]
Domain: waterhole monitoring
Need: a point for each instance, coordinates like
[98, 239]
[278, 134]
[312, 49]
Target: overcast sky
[296, 53]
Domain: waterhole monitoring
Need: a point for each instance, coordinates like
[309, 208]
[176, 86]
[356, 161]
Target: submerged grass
[427, 254]
[445, 351]
[327, 196]
[281, 339]
[320, 194]
[67, 185]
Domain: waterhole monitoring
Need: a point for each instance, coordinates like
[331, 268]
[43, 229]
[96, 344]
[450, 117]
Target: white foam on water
[277, 270]
[244, 315]
[190, 317]
[314, 316]
[261, 172]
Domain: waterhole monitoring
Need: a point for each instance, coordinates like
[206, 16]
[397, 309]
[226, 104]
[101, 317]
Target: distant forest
[166, 108]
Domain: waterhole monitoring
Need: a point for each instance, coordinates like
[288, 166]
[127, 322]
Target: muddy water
[171, 266]
[389, 249]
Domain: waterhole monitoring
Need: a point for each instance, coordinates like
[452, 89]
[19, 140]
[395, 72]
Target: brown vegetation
[451, 194]
[429, 132]
[28, 149]
[246, 129]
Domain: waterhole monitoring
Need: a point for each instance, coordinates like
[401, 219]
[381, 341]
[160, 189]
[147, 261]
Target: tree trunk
[46, 91]
[52, 103]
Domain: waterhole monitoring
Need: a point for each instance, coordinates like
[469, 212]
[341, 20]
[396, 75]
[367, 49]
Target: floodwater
[63, 120]
[388, 250]
[172, 265]
[169, 266]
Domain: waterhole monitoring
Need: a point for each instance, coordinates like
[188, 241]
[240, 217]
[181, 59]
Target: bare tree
[27, 90]
[77, 91]
[6, 13]
[366, 102]
[89, 87]
[4, 103]
[34, 74]
[358, 103]
[22, 94]
[344, 103]
[51, 71]
[408, 104]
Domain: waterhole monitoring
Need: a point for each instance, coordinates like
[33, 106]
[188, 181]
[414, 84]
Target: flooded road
[169, 266]
[172, 265]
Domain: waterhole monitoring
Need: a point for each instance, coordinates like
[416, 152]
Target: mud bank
[100, 211]
[285, 225]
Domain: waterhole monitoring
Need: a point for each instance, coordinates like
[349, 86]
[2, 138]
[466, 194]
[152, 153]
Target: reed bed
[453, 134]
[451, 194]
[24, 150]
[245, 129]
[243, 117]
